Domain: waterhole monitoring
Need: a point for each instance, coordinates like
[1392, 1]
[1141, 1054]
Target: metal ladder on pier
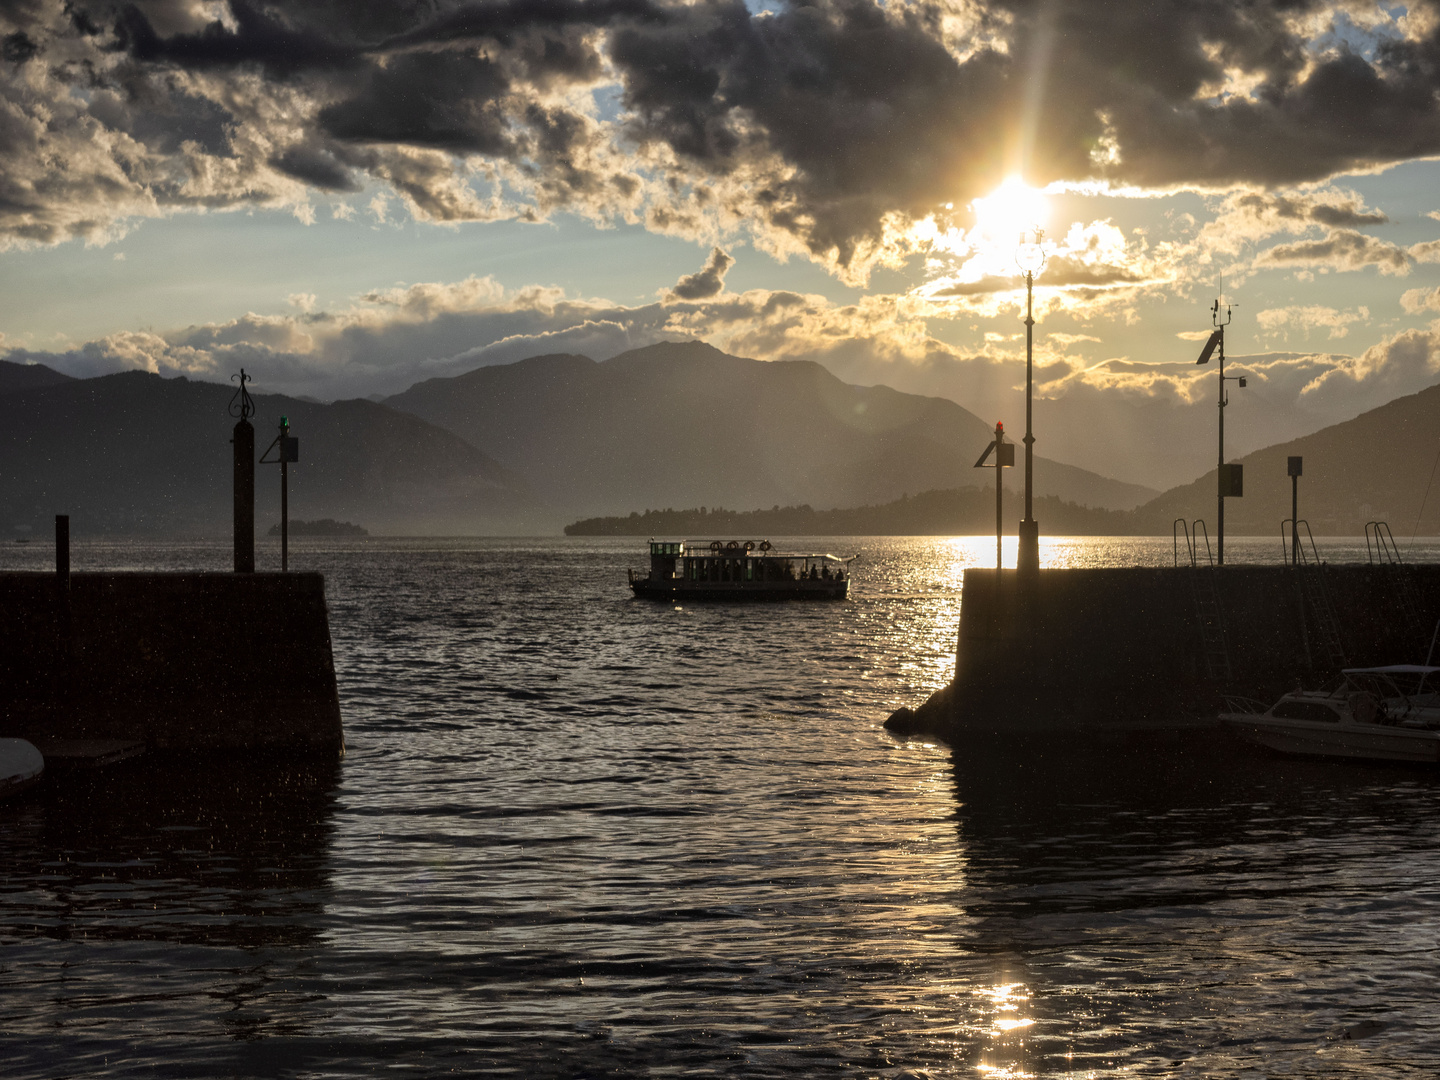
[1314, 595]
[1384, 556]
[1206, 597]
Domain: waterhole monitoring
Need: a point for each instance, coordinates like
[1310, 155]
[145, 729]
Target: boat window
[1305, 710]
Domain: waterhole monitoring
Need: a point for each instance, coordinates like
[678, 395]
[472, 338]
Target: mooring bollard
[62, 550]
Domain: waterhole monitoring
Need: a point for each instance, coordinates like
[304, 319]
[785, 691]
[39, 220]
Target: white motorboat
[1387, 713]
[20, 766]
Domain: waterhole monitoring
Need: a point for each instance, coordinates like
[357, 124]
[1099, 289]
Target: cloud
[1302, 318]
[387, 339]
[1248, 217]
[1414, 301]
[1427, 251]
[1093, 267]
[708, 282]
[1400, 364]
[1339, 250]
[832, 129]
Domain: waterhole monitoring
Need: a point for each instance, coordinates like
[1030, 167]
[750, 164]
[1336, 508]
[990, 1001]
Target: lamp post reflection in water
[1030, 257]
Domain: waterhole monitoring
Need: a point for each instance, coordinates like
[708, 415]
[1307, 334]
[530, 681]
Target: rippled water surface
[580, 835]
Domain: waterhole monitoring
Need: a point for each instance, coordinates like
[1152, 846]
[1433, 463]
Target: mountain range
[136, 453]
[1380, 466]
[683, 424]
[524, 448]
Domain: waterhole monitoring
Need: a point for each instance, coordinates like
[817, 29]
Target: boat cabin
[734, 562]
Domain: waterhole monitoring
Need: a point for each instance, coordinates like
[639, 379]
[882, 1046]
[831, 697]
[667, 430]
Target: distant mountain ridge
[15, 376]
[136, 453]
[684, 424]
[1378, 466]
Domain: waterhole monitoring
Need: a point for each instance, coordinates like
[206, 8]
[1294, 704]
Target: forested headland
[956, 512]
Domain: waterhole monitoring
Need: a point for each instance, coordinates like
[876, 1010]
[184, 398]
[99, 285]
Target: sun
[1012, 209]
[1004, 233]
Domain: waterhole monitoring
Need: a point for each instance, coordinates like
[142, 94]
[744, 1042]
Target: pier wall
[179, 660]
[1124, 647]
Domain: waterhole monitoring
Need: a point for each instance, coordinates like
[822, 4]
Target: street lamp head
[1030, 252]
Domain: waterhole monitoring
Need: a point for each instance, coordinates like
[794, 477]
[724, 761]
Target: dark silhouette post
[1030, 257]
[287, 449]
[999, 495]
[1295, 468]
[284, 495]
[1004, 459]
[1220, 477]
[1228, 478]
[62, 550]
[243, 442]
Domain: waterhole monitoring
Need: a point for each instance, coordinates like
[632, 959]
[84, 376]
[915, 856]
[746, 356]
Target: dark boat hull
[646, 589]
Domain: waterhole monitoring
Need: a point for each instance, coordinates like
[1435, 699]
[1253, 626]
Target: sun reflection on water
[1001, 1008]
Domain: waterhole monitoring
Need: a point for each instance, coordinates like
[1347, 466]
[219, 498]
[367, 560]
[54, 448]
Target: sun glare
[1010, 210]
[1002, 219]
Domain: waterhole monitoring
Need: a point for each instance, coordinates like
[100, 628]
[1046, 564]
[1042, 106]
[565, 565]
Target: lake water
[577, 835]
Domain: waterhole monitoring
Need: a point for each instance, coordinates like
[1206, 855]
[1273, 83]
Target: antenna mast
[1228, 478]
[1220, 318]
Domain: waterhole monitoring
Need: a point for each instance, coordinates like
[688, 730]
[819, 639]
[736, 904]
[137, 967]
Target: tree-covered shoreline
[954, 512]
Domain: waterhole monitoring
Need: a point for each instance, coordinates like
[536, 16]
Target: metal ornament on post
[1030, 257]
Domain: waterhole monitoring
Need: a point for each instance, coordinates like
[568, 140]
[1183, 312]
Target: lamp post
[1030, 257]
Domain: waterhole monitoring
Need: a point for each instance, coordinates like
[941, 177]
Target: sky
[346, 197]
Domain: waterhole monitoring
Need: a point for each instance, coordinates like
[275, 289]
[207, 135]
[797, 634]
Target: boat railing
[1236, 704]
[1289, 528]
[1385, 549]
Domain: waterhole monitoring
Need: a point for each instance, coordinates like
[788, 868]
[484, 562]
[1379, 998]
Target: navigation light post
[1030, 257]
[1004, 459]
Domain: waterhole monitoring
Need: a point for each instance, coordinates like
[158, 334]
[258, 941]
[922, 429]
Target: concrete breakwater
[1137, 648]
[186, 661]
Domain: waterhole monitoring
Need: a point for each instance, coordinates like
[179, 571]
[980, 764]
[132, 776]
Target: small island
[322, 527]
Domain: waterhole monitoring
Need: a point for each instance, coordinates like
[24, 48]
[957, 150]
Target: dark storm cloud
[709, 281]
[507, 22]
[17, 48]
[824, 124]
[865, 105]
[316, 167]
[258, 37]
[449, 100]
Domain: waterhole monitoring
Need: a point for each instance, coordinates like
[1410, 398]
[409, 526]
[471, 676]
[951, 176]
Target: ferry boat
[680, 570]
